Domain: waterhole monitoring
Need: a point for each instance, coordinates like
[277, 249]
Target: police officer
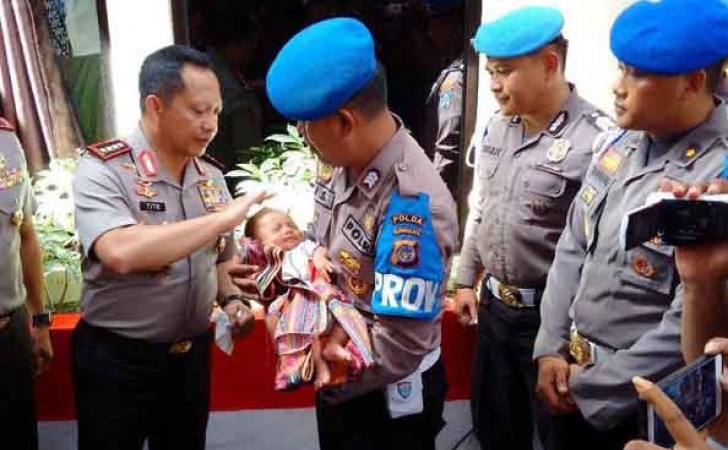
[24, 352]
[389, 225]
[155, 224]
[609, 314]
[531, 163]
[444, 104]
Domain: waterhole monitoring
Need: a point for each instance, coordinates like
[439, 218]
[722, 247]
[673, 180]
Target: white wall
[136, 28]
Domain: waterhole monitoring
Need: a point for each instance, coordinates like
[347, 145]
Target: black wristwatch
[231, 298]
[41, 319]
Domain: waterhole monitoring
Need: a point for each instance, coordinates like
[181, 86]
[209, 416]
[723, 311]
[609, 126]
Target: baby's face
[277, 228]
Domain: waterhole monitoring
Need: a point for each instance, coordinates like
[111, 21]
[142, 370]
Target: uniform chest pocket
[543, 182]
[545, 197]
[650, 266]
[487, 166]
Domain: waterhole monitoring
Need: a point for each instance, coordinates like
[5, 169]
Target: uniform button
[526, 183]
[402, 166]
[517, 155]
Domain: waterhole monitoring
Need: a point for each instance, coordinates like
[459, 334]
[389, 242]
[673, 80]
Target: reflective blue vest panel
[407, 261]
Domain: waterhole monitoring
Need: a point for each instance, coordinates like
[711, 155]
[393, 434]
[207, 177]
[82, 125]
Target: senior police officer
[389, 225]
[155, 225]
[531, 163]
[609, 314]
[24, 352]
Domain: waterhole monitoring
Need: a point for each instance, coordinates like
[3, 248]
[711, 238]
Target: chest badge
[144, 188]
[357, 286]
[17, 218]
[213, 196]
[9, 177]
[558, 150]
[405, 253]
[351, 264]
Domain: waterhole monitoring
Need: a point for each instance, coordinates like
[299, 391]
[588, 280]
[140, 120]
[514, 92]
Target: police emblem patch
[405, 253]
[558, 150]
[404, 389]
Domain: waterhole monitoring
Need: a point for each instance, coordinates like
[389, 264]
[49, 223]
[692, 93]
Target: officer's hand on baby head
[236, 211]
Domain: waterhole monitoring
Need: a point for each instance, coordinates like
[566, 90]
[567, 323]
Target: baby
[315, 329]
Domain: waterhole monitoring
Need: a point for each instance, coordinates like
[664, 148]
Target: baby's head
[273, 227]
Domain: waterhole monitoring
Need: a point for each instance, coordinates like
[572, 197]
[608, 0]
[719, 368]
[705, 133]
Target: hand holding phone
[696, 390]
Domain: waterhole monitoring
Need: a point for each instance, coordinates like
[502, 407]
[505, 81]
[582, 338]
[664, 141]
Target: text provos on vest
[406, 296]
[357, 236]
[324, 196]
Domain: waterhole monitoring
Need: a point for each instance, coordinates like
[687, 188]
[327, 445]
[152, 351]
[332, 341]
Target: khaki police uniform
[623, 306]
[348, 218]
[163, 315]
[525, 188]
[16, 377]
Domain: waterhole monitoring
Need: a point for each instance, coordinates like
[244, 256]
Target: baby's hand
[323, 265]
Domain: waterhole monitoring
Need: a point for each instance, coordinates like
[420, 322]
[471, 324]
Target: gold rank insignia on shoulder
[144, 189]
[558, 150]
[108, 149]
[17, 218]
[351, 264]
[213, 197]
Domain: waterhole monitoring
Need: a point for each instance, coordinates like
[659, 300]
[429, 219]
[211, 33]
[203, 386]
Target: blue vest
[408, 268]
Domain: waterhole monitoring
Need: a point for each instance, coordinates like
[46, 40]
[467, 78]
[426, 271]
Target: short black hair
[561, 45]
[371, 100]
[714, 76]
[161, 72]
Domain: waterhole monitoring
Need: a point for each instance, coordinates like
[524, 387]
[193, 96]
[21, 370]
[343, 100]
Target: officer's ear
[696, 82]
[551, 61]
[347, 121]
[153, 105]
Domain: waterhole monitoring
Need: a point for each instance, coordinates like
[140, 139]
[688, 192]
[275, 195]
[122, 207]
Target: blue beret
[671, 37]
[321, 68]
[519, 32]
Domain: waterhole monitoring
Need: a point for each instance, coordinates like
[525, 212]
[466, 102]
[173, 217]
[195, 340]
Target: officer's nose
[618, 87]
[495, 84]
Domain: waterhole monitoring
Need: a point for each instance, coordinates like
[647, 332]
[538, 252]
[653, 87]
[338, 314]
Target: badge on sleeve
[558, 150]
[408, 270]
[371, 179]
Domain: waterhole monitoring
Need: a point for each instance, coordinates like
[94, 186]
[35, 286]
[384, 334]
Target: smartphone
[696, 390]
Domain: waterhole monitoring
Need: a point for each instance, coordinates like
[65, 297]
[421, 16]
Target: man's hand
[322, 263]
[553, 384]
[466, 306]
[236, 211]
[685, 435]
[692, 192]
[241, 318]
[242, 275]
[42, 350]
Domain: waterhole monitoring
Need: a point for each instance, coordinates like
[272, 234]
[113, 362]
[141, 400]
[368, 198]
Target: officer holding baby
[390, 227]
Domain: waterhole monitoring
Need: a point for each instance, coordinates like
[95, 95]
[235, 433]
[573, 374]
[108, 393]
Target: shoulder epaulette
[5, 125]
[107, 150]
[214, 162]
[600, 120]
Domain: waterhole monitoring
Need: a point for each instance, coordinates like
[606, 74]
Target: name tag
[357, 235]
[411, 297]
[153, 206]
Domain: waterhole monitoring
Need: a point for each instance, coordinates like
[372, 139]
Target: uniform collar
[698, 141]
[150, 168]
[373, 177]
[569, 111]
